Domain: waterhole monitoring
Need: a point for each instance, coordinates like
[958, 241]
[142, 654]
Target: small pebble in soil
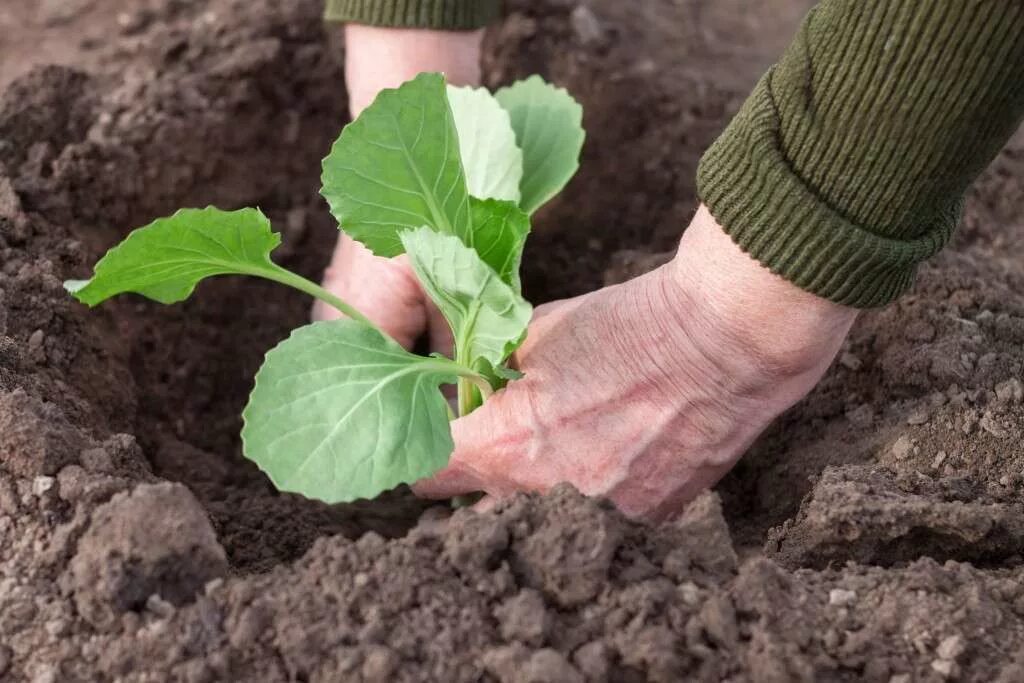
[42, 485]
[159, 607]
[903, 447]
[586, 25]
[918, 417]
[135, 22]
[946, 668]
[36, 352]
[1010, 391]
[850, 361]
[951, 648]
[841, 596]
[296, 223]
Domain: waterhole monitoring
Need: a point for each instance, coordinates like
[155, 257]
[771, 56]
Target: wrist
[761, 315]
[379, 58]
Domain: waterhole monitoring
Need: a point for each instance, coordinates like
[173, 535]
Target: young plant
[446, 175]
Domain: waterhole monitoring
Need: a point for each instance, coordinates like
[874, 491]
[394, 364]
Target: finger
[452, 481]
[486, 504]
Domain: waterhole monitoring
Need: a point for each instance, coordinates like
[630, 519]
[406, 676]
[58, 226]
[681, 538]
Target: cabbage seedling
[449, 176]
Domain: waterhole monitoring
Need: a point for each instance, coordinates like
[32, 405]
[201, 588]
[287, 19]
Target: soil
[875, 533]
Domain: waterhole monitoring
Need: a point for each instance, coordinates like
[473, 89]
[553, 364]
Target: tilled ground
[875, 533]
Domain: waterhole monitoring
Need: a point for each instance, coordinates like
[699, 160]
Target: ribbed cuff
[754, 193]
[454, 15]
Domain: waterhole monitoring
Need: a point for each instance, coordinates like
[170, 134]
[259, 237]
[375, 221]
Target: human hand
[649, 392]
[386, 290]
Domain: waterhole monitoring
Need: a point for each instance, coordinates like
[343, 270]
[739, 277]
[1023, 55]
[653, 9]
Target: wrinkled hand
[648, 392]
[386, 290]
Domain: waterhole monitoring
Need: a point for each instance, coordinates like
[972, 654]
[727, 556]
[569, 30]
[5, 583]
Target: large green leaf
[397, 167]
[500, 229]
[166, 259]
[488, 318]
[340, 412]
[490, 156]
[549, 128]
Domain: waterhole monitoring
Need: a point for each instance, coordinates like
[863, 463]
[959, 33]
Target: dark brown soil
[876, 532]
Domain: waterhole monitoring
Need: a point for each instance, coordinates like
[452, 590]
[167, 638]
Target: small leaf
[397, 167]
[548, 125]
[497, 375]
[508, 374]
[340, 412]
[499, 234]
[488, 318]
[165, 260]
[491, 158]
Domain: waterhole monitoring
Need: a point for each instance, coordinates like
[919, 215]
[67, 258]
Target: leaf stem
[286, 277]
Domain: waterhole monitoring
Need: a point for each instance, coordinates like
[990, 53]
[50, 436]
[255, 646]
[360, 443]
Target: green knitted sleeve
[848, 164]
[438, 14]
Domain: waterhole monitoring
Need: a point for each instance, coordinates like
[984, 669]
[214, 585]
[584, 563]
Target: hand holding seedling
[648, 392]
[444, 175]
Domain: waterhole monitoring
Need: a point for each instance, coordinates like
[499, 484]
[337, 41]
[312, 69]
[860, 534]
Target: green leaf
[497, 375]
[500, 229]
[340, 412]
[491, 158]
[165, 260]
[548, 125]
[397, 167]
[488, 318]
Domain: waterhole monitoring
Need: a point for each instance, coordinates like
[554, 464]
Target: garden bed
[875, 533]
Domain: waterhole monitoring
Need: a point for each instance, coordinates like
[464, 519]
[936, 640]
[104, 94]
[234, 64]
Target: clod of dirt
[49, 107]
[868, 515]
[119, 455]
[35, 438]
[567, 553]
[704, 539]
[525, 618]
[516, 664]
[155, 540]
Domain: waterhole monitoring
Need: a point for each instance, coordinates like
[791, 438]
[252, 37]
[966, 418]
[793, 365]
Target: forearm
[450, 15]
[848, 164]
[381, 58]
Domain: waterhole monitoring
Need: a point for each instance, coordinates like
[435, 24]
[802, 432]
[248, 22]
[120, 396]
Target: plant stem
[467, 400]
[465, 396]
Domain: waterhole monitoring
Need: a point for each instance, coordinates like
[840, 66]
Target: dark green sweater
[848, 164]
